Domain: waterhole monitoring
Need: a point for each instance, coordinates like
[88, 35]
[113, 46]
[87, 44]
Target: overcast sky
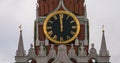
[16, 12]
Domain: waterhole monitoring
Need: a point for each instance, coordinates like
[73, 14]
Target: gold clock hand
[61, 22]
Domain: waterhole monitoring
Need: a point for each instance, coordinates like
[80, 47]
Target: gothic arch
[92, 60]
[73, 60]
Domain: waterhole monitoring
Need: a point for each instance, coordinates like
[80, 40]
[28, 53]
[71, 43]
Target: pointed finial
[20, 27]
[31, 45]
[92, 45]
[103, 28]
[37, 4]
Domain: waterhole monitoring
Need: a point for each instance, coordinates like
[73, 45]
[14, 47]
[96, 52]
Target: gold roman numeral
[50, 33]
[74, 27]
[55, 17]
[67, 17]
[61, 15]
[50, 21]
[68, 37]
[72, 21]
[55, 37]
[49, 27]
[72, 32]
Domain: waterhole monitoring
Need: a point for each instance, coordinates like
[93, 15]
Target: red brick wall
[75, 6]
[46, 6]
[41, 33]
[81, 35]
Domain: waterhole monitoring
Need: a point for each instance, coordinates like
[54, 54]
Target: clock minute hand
[61, 22]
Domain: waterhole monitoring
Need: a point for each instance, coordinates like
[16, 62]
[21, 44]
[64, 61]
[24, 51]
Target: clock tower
[61, 35]
[59, 23]
[68, 16]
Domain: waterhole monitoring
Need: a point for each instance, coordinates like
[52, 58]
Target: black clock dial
[65, 32]
[61, 27]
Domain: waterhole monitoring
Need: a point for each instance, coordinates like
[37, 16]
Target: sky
[23, 12]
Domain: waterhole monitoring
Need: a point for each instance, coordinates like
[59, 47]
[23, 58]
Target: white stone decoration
[62, 55]
[46, 42]
[76, 42]
[72, 53]
[31, 53]
[81, 52]
[93, 52]
[52, 53]
[42, 51]
[61, 3]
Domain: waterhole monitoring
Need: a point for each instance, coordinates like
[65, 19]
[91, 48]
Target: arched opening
[51, 60]
[73, 60]
[92, 60]
[31, 61]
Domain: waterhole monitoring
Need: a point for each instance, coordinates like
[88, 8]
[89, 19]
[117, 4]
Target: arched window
[92, 60]
[73, 60]
[31, 61]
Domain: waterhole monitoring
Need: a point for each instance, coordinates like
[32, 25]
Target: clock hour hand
[61, 22]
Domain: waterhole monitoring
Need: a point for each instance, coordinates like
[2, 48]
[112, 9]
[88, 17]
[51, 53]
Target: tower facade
[61, 35]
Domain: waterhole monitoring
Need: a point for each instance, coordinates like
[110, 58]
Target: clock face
[61, 27]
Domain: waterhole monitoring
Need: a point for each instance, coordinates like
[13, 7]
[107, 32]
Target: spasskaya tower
[61, 35]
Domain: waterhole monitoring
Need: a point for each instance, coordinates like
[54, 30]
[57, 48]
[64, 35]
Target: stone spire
[20, 51]
[103, 49]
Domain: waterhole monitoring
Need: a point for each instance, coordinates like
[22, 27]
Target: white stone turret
[46, 42]
[72, 53]
[20, 51]
[77, 42]
[31, 52]
[81, 52]
[93, 52]
[52, 53]
[103, 49]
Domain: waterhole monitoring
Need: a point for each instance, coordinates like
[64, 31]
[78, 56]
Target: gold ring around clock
[59, 12]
